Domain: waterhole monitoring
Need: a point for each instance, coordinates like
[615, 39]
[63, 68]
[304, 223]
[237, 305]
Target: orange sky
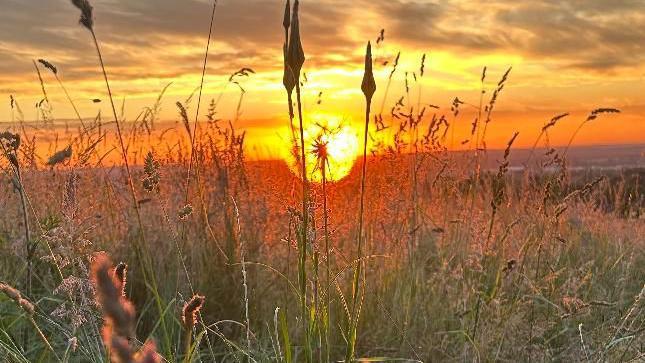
[567, 56]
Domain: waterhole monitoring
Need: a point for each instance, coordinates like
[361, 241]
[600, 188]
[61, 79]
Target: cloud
[575, 34]
[148, 43]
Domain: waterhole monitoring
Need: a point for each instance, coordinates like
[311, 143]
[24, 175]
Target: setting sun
[342, 146]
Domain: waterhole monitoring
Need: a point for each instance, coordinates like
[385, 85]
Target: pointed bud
[288, 79]
[296, 55]
[286, 22]
[369, 84]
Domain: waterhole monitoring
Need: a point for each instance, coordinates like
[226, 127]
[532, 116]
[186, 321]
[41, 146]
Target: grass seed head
[86, 19]
[15, 295]
[48, 65]
[118, 312]
[10, 291]
[191, 309]
[151, 170]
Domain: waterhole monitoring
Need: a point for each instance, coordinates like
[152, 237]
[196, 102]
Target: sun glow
[334, 139]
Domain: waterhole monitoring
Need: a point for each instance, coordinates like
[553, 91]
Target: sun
[341, 146]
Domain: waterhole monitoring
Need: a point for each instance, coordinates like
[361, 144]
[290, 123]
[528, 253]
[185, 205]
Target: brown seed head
[369, 84]
[191, 309]
[423, 65]
[48, 65]
[86, 19]
[118, 312]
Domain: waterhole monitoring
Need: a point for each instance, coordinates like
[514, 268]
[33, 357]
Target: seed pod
[286, 21]
[295, 53]
[369, 84]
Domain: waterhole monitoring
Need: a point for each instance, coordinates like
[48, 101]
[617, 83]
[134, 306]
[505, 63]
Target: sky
[566, 56]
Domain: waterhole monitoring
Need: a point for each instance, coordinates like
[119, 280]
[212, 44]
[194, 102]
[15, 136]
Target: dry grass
[431, 256]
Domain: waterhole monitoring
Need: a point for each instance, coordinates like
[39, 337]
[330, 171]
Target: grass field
[120, 242]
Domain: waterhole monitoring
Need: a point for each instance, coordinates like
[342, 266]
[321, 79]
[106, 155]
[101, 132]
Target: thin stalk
[199, 100]
[25, 219]
[327, 262]
[368, 86]
[71, 102]
[573, 136]
[188, 347]
[357, 271]
[303, 235]
[43, 338]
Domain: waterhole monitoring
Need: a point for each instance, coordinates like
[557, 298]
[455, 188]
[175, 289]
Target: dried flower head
[191, 309]
[369, 84]
[319, 149]
[86, 19]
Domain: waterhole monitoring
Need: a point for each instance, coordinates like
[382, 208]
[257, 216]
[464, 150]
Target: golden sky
[567, 56]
